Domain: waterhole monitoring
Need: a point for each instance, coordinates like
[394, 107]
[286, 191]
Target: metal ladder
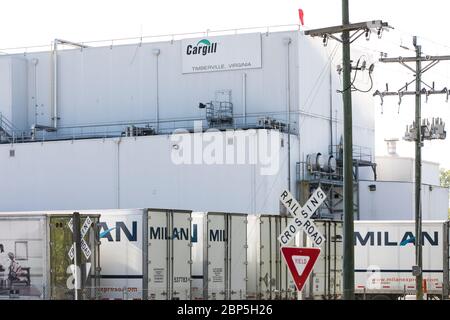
[7, 129]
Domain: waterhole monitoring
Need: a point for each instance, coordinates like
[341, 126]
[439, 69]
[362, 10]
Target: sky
[30, 22]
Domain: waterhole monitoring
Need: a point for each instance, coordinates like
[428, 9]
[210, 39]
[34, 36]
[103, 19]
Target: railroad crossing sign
[300, 262]
[84, 246]
[302, 217]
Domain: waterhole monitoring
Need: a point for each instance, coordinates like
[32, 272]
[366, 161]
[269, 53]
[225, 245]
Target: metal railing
[169, 126]
[154, 38]
[359, 152]
[304, 173]
[6, 127]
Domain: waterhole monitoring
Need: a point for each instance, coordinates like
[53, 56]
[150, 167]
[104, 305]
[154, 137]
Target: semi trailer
[146, 254]
[36, 260]
[192, 255]
[384, 260]
[385, 254]
[161, 254]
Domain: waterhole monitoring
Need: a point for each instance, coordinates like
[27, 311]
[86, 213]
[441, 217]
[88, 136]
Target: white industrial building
[392, 196]
[90, 127]
[67, 109]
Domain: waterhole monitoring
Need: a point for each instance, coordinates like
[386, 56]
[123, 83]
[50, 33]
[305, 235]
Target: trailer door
[446, 259]
[268, 257]
[158, 255]
[237, 256]
[181, 255]
[26, 238]
[215, 256]
[61, 277]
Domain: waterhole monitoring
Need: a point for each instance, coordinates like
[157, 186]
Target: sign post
[77, 253]
[300, 261]
[79, 245]
[302, 217]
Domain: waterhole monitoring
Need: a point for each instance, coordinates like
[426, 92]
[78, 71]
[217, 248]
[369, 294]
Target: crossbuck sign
[302, 217]
[84, 246]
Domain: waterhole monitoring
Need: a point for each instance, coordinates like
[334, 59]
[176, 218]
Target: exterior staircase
[7, 130]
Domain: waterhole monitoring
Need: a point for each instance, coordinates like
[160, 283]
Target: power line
[418, 132]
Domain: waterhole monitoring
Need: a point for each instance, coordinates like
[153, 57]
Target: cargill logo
[202, 47]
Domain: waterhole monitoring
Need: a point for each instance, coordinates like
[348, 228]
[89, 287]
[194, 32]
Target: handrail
[117, 129]
[170, 36]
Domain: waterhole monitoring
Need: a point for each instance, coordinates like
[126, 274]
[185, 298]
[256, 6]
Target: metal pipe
[244, 97]
[156, 53]
[288, 41]
[70, 43]
[76, 239]
[55, 84]
[330, 80]
[55, 117]
[118, 141]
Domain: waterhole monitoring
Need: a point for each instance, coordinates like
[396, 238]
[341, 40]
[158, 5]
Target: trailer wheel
[381, 297]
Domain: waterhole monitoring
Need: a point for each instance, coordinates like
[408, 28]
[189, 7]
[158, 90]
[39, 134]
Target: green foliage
[444, 177]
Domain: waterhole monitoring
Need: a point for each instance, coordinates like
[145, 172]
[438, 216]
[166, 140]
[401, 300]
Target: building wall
[132, 173]
[13, 90]
[126, 83]
[119, 83]
[320, 103]
[394, 200]
[403, 169]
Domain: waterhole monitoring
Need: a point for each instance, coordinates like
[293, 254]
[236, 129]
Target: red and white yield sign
[300, 262]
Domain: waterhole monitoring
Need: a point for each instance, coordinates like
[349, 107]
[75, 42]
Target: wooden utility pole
[418, 132]
[359, 29]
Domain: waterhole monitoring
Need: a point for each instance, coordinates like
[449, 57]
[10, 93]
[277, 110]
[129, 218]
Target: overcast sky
[28, 22]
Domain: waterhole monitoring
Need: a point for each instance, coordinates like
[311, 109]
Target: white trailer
[385, 254]
[325, 281]
[268, 275]
[169, 255]
[220, 260]
[146, 254]
[40, 244]
[121, 235]
[237, 256]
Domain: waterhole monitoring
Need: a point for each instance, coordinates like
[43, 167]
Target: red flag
[300, 15]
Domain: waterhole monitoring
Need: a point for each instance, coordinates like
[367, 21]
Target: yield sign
[300, 262]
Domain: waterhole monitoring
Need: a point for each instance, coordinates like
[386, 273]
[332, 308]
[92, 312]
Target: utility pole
[349, 259]
[418, 175]
[418, 132]
[359, 29]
